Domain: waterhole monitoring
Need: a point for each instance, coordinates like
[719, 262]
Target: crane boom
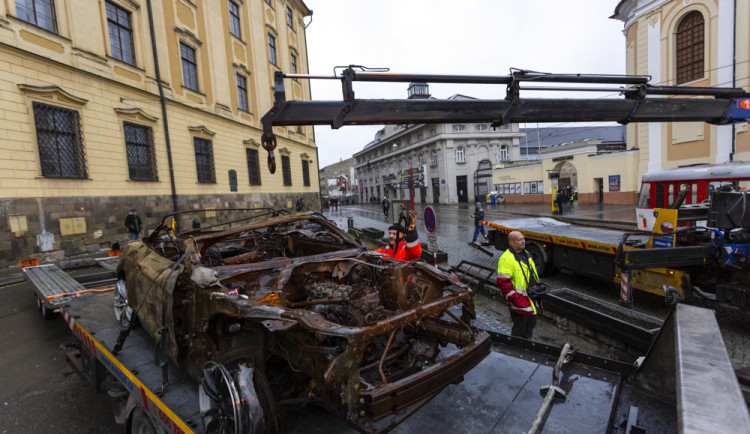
[639, 102]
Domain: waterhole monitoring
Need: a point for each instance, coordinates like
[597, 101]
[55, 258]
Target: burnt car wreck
[276, 309]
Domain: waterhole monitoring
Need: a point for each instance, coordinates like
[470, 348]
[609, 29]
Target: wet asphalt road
[39, 391]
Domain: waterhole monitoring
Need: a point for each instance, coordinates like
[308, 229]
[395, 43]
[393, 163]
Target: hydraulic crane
[638, 101]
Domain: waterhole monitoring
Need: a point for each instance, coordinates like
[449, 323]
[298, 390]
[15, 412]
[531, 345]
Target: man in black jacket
[133, 223]
[478, 217]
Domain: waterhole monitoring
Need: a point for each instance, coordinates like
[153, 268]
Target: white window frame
[460, 154]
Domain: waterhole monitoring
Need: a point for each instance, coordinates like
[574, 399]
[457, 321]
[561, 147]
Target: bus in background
[688, 190]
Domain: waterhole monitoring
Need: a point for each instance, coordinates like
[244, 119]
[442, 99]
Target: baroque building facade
[687, 43]
[146, 104]
[675, 42]
[439, 163]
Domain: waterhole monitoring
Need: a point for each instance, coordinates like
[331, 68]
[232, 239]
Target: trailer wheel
[38, 303]
[123, 312]
[140, 423]
[541, 259]
[228, 398]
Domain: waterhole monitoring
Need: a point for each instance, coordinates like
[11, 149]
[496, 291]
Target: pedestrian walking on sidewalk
[386, 207]
[133, 223]
[478, 217]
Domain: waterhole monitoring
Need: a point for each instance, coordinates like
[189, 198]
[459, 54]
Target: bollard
[350, 222]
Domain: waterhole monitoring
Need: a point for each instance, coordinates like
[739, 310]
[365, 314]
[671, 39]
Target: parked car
[273, 309]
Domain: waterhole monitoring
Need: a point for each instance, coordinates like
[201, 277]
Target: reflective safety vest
[518, 273]
[406, 251]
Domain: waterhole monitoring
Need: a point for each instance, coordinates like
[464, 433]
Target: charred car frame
[274, 309]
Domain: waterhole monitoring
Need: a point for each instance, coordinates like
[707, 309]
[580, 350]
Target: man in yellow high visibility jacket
[515, 272]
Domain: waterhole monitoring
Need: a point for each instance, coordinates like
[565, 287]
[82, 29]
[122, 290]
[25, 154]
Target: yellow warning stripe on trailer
[151, 403]
[558, 239]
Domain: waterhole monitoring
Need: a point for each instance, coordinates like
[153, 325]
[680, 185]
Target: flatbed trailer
[54, 287]
[582, 248]
[685, 384]
[501, 394]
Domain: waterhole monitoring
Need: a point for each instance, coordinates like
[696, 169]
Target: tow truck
[688, 387]
[690, 244]
[587, 249]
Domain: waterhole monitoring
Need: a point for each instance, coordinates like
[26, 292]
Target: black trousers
[523, 325]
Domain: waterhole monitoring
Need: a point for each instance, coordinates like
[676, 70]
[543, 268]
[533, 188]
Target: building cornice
[52, 92]
[628, 11]
[135, 112]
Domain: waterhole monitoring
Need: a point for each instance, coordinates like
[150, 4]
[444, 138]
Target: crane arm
[639, 102]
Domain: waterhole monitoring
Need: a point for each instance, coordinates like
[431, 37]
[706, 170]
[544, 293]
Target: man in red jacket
[515, 273]
[405, 242]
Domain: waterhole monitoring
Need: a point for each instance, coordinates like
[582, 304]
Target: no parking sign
[430, 219]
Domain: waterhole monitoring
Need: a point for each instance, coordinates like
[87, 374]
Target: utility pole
[411, 187]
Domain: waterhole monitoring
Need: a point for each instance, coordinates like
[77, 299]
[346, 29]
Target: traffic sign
[430, 219]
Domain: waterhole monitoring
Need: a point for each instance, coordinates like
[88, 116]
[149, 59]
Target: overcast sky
[478, 37]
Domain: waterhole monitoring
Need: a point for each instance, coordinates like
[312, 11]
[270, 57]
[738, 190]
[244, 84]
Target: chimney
[419, 91]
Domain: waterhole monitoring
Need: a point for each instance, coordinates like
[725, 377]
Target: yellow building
[85, 135]
[676, 42]
[687, 43]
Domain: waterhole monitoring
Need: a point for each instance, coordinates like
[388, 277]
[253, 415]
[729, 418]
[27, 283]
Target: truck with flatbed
[691, 238]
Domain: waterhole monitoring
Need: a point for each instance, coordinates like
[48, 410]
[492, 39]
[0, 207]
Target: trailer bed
[501, 394]
[52, 284]
[550, 230]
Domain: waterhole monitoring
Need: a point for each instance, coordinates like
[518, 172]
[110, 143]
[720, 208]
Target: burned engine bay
[312, 313]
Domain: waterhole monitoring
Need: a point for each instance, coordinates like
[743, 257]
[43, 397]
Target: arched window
[690, 47]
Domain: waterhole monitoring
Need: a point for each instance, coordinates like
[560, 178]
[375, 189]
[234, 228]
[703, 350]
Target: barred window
[189, 71]
[272, 49]
[38, 12]
[294, 64]
[286, 170]
[204, 159]
[120, 33]
[460, 155]
[306, 173]
[253, 166]
[242, 92]
[232, 180]
[139, 146]
[58, 134]
[690, 47]
[234, 19]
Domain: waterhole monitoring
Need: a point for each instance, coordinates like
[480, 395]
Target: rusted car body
[281, 309]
